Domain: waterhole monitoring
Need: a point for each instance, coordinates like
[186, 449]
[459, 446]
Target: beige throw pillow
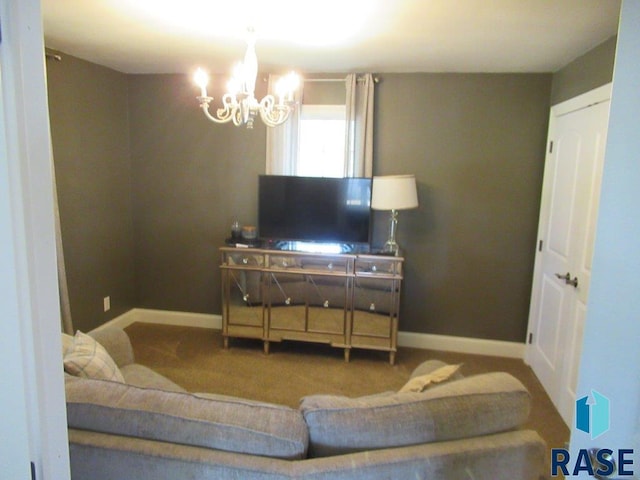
[89, 359]
[420, 383]
[67, 344]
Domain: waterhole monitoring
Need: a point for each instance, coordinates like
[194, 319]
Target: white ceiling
[174, 36]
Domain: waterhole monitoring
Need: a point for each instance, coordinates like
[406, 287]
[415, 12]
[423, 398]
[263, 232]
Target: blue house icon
[593, 416]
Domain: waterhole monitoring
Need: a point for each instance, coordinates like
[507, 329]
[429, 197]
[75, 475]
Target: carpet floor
[195, 359]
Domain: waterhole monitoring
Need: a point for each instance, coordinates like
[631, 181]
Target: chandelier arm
[204, 105]
[231, 110]
[273, 114]
[273, 121]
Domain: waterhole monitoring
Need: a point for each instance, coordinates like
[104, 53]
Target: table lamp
[393, 192]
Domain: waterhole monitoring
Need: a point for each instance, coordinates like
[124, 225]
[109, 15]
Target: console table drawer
[378, 266]
[328, 264]
[311, 264]
[243, 259]
[371, 325]
[285, 262]
[288, 318]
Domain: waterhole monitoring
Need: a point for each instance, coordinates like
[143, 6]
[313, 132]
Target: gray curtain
[65, 306]
[359, 130]
[282, 141]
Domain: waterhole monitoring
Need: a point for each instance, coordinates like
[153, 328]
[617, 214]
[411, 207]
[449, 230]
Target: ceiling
[175, 36]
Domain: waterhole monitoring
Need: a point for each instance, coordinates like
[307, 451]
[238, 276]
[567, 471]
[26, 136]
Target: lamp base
[391, 246]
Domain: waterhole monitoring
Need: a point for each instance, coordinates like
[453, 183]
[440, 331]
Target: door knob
[602, 463]
[568, 280]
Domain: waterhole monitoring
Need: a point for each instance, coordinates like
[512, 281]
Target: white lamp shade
[394, 192]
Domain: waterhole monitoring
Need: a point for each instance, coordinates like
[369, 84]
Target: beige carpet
[194, 358]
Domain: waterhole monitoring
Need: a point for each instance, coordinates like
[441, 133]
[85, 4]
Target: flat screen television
[314, 209]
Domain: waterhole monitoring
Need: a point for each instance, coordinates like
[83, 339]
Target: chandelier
[239, 104]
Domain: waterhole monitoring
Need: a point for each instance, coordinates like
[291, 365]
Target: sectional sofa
[147, 427]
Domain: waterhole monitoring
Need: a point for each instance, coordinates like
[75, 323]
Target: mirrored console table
[344, 300]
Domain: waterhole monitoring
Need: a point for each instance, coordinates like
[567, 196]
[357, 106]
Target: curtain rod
[375, 79]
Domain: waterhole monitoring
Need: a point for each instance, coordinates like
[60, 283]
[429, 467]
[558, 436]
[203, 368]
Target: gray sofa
[149, 427]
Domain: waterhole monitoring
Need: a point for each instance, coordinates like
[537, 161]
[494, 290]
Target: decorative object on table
[239, 104]
[236, 231]
[249, 232]
[393, 192]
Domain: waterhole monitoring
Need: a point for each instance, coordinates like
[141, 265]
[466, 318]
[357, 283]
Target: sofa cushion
[141, 376]
[472, 406]
[229, 424]
[87, 358]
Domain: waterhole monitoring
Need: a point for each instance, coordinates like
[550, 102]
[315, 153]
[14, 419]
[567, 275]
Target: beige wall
[191, 178]
[88, 108]
[474, 141]
[476, 145]
[589, 71]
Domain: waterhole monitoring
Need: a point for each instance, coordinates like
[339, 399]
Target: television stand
[344, 300]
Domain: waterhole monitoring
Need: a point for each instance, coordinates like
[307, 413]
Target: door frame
[30, 308]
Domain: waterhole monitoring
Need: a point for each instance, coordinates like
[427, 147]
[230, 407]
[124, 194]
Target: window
[321, 141]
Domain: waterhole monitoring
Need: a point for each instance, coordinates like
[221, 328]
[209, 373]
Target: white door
[566, 231]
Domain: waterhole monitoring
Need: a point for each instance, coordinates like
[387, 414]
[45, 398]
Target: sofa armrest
[117, 343]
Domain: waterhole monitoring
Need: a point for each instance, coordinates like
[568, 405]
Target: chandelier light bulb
[293, 82]
[202, 79]
[234, 86]
[281, 90]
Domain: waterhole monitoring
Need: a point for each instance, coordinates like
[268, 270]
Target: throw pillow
[421, 382]
[89, 359]
[67, 343]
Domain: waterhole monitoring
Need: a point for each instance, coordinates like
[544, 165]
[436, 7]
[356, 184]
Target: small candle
[201, 80]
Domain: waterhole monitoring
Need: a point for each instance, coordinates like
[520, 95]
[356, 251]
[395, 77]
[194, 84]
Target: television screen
[315, 209]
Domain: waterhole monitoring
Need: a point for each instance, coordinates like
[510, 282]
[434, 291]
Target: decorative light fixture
[239, 104]
[394, 192]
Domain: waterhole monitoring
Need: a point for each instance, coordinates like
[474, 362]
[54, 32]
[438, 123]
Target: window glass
[321, 141]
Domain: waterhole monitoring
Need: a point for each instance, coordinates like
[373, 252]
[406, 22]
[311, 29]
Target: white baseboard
[448, 343]
[165, 317]
[426, 341]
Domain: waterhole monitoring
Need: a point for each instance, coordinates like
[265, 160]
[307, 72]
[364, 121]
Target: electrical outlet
[107, 303]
